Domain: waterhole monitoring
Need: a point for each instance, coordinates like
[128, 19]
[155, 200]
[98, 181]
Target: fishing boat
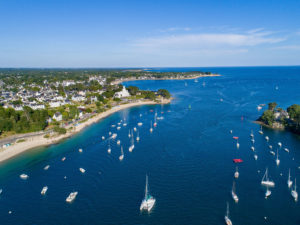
[233, 194]
[236, 174]
[268, 192]
[47, 167]
[44, 190]
[148, 202]
[24, 176]
[294, 192]
[118, 142]
[266, 181]
[289, 182]
[140, 124]
[82, 170]
[137, 137]
[151, 129]
[261, 131]
[71, 196]
[131, 147]
[80, 150]
[277, 159]
[227, 220]
[121, 157]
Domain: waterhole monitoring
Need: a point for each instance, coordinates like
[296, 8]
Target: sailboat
[266, 181]
[148, 202]
[279, 144]
[137, 137]
[129, 135]
[289, 182]
[294, 192]
[155, 115]
[268, 193]
[260, 131]
[233, 194]
[196, 80]
[277, 159]
[131, 147]
[267, 138]
[227, 220]
[121, 157]
[151, 129]
[237, 144]
[255, 157]
[109, 149]
[251, 134]
[236, 174]
[252, 148]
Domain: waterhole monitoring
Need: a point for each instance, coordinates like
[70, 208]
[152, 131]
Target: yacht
[252, 140]
[237, 144]
[233, 194]
[227, 220]
[266, 181]
[277, 159]
[121, 157]
[289, 182]
[148, 202]
[140, 124]
[268, 193]
[129, 134]
[236, 174]
[82, 170]
[259, 107]
[230, 131]
[44, 190]
[196, 80]
[273, 153]
[24, 176]
[251, 134]
[294, 192]
[124, 124]
[71, 196]
[46, 167]
[109, 133]
[113, 125]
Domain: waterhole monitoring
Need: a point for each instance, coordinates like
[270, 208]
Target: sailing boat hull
[147, 205]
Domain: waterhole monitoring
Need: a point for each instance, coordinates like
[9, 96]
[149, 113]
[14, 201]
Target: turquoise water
[188, 159]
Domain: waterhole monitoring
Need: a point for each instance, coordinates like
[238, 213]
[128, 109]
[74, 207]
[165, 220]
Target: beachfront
[40, 140]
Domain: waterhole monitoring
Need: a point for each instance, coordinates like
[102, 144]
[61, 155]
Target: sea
[188, 159]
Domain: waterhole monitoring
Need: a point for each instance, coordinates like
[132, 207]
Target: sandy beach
[40, 140]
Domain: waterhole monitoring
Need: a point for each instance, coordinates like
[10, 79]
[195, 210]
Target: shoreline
[40, 141]
[183, 78]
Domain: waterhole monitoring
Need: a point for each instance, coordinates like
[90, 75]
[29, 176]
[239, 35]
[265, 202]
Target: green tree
[132, 90]
[272, 106]
[164, 93]
[268, 117]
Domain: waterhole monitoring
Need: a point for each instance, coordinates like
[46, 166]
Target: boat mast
[227, 212]
[146, 188]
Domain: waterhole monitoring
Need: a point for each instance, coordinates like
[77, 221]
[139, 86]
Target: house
[122, 94]
[57, 116]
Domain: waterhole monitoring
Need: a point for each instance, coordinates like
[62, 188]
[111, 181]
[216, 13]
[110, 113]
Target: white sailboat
[118, 142]
[279, 144]
[137, 137]
[155, 122]
[44, 190]
[233, 194]
[236, 174]
[286, 149]
[267, 138]
[255, 157]
[148, 202]
[109, 149]
[260, 131]
[266, 181]
[268, 193]
[237, 144]
[289, 182]
[294, 192]
[151, 129]
[251, 134]
[277, 159]
[227, 220]
[252, 148]
[270, 146]
[131, 147]
[71, 196]
[121, 157]
[129, 134]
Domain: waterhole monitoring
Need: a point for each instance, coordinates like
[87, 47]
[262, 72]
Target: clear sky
[115, 33]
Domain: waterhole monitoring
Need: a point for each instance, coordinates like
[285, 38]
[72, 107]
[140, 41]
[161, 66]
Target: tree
[272, 106]
[164, 93]
[268, 117]
[132, 90]
[294, 113]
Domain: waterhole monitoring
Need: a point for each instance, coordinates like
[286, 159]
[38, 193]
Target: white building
[57, 116]
[122, 94]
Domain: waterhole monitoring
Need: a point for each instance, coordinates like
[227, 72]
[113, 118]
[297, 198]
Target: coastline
[183, 78]
[40, 141]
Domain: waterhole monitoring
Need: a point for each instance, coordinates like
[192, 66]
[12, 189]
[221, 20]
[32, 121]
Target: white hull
[121, 157]
[44, 190]
[71, 197]
[236, 175]
[235, 197]
[268, 183]
[227, 221]
[147, 205]
[294, 195]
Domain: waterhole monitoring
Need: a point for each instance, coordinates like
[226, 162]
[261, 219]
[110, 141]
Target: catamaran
[289, 182]
[266, 181]
[148, 202]
[277, 159]
[131, 147]
[71, 196]
[236, 174]
[233, 194]
[121, 157]
[227, 220]
[44, 190]
[294, 192]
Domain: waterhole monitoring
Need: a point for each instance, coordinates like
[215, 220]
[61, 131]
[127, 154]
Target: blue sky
[114, 33]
